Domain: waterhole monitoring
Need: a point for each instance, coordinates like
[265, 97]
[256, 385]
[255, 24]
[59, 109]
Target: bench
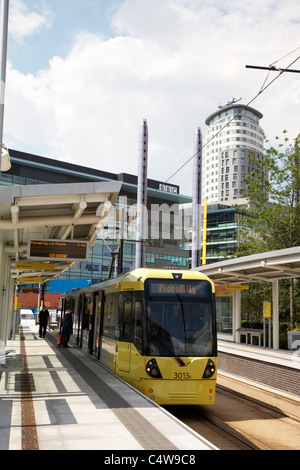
[13, 364]
[252, 332]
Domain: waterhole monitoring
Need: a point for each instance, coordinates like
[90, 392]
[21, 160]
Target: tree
[271, 220]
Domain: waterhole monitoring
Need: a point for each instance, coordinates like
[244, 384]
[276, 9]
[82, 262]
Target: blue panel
[65, 285]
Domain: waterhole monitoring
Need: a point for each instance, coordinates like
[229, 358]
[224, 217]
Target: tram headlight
[152, 369]
[209, 369]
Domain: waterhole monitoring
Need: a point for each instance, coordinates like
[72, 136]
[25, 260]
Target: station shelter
[44, 230]
[263, 267]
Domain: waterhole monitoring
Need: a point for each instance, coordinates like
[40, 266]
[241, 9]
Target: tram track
[246, 417]
[265, 407]
[211, 428]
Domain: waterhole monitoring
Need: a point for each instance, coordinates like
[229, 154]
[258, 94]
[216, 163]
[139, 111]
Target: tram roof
[136, 275]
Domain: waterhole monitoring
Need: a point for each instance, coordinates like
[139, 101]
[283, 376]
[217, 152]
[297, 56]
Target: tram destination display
[69, 250]
[183, 288]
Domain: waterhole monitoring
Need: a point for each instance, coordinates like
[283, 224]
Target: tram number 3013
[182, 375]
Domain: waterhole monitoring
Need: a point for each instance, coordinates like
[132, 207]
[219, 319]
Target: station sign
[68, 250]
[29, 280]
[267, 309]
[35, 266]
[237, 286]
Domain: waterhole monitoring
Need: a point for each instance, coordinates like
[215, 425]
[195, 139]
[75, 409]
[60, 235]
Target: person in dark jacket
[67, 327]
[43, 321]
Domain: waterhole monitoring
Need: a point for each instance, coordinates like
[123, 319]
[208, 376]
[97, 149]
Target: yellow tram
[156, 329]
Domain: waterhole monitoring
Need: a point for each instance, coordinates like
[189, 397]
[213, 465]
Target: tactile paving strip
[29, 431]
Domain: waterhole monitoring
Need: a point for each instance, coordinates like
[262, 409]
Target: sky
[83, 74]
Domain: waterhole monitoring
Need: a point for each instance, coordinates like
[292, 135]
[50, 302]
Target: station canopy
[262, 267]
[61, 220]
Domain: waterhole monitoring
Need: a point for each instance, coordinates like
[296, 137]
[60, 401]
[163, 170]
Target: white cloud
[23, 22]
[171, 62]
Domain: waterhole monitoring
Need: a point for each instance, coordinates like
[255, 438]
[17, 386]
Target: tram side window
[86, 313]
[138, 326]
[110, 316]
[126, 336]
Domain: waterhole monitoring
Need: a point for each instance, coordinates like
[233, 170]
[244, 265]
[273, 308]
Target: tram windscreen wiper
[180, 361]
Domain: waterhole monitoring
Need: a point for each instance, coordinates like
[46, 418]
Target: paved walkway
[64, 400]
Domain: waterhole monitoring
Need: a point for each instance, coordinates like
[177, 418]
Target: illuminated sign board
[181, 288]
[69, 250]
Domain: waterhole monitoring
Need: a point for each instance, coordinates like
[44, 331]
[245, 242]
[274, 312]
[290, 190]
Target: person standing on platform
[43, 321]
[67, 327]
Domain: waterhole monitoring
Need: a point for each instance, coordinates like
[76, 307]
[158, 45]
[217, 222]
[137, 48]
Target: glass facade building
[222, 232]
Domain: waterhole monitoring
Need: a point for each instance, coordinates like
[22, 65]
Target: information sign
[267, 309]
[35, 266]
[69, 250]
[237, 286]
[29, 280]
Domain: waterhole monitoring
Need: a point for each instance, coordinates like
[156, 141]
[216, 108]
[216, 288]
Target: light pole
[3, 45]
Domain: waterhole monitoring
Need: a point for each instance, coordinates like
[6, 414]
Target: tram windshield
[180, 318]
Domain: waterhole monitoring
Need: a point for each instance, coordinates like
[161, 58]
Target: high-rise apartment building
[232, 137]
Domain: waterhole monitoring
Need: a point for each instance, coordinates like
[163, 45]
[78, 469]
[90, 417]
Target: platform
[73, 403]
[279, 357]
[278, 369]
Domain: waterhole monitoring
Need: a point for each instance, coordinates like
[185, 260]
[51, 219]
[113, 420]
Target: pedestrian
[43, 321]
[67, 327]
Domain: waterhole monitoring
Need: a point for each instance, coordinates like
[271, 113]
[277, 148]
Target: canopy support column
[275, 322]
